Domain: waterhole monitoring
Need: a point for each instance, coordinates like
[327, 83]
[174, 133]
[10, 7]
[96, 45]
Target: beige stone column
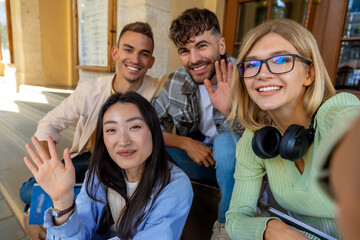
[25, 18]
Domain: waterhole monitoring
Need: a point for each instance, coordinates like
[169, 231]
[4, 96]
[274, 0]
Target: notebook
[309, 231]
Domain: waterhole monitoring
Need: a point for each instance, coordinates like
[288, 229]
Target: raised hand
[220, 99]
[55, 178]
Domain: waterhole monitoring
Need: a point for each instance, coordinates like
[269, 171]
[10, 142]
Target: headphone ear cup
[294, 143]
[266, 141]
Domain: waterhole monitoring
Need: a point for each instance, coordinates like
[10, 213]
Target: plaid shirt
[178, 104]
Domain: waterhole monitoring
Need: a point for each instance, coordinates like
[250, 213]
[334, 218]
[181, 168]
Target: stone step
[52, 95]
[13, 171]
[46, 100]
[20, 124]
[23, 121]
[22, 129]
[10, 227]
[38, 110]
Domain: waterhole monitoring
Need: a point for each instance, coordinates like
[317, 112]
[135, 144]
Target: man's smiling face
[200, 54]
[133, 56]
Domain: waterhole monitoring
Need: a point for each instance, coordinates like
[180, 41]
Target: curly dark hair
[191, 23]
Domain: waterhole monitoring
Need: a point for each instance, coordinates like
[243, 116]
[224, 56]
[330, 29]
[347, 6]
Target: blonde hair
[243, 107]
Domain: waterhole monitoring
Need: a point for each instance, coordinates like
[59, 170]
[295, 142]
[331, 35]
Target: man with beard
[133, 56]
[203, 138]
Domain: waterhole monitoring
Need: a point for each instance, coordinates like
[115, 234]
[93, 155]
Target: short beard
[212, 72]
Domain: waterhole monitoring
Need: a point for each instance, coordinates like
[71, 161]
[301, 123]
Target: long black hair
[154, 178]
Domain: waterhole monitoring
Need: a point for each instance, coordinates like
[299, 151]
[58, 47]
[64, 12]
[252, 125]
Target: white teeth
[199, 68]
[132, 68]
[267, 89]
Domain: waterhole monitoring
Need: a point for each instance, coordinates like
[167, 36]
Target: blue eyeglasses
[276, 65]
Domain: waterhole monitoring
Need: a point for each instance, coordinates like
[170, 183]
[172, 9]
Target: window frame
[231, 16]
[111, 34]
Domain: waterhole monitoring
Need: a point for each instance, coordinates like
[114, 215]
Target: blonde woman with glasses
[282, 93]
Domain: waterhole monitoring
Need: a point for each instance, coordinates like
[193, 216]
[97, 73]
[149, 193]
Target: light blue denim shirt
[165, 220]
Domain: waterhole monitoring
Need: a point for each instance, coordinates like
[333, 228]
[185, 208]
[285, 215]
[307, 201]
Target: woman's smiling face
[276, 92]
[127, 138]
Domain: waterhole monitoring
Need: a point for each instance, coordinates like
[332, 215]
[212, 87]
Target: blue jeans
[80, 162]
[224, 155]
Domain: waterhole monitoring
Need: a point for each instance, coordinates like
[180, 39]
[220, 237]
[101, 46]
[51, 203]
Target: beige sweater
[82, 108]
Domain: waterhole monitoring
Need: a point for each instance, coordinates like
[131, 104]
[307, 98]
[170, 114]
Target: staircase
[19, 115]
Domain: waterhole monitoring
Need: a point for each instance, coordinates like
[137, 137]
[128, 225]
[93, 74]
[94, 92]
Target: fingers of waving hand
[209, 87]
[39, 157]
[36, 159]
[30, 166]
[44, 165]
[223, 75]
[221, 98]
[55, 156]
[223, 72]
[53, 153]
[54, 177]
[52, 148]
[43, 153]
[67, 159]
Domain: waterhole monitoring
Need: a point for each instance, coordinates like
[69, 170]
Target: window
[348, 69]
[95, 34]
[6, 50]
[243, 15]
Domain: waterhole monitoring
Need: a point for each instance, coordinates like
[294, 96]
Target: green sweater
[295, 192]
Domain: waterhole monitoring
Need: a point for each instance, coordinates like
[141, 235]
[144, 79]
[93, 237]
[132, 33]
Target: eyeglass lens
[277, 64]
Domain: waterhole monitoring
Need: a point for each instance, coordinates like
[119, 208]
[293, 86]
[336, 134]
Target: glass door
[243, 15]
[348, 72]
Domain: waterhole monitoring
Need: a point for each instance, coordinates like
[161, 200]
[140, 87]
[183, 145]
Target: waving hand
[55, 178]
[220, 99]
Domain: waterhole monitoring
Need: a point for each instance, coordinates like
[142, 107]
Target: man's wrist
[185, 142]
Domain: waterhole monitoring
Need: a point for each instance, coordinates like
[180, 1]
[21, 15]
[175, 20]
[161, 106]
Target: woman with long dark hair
[131, 190]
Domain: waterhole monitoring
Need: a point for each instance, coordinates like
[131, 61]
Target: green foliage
[4, 39]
